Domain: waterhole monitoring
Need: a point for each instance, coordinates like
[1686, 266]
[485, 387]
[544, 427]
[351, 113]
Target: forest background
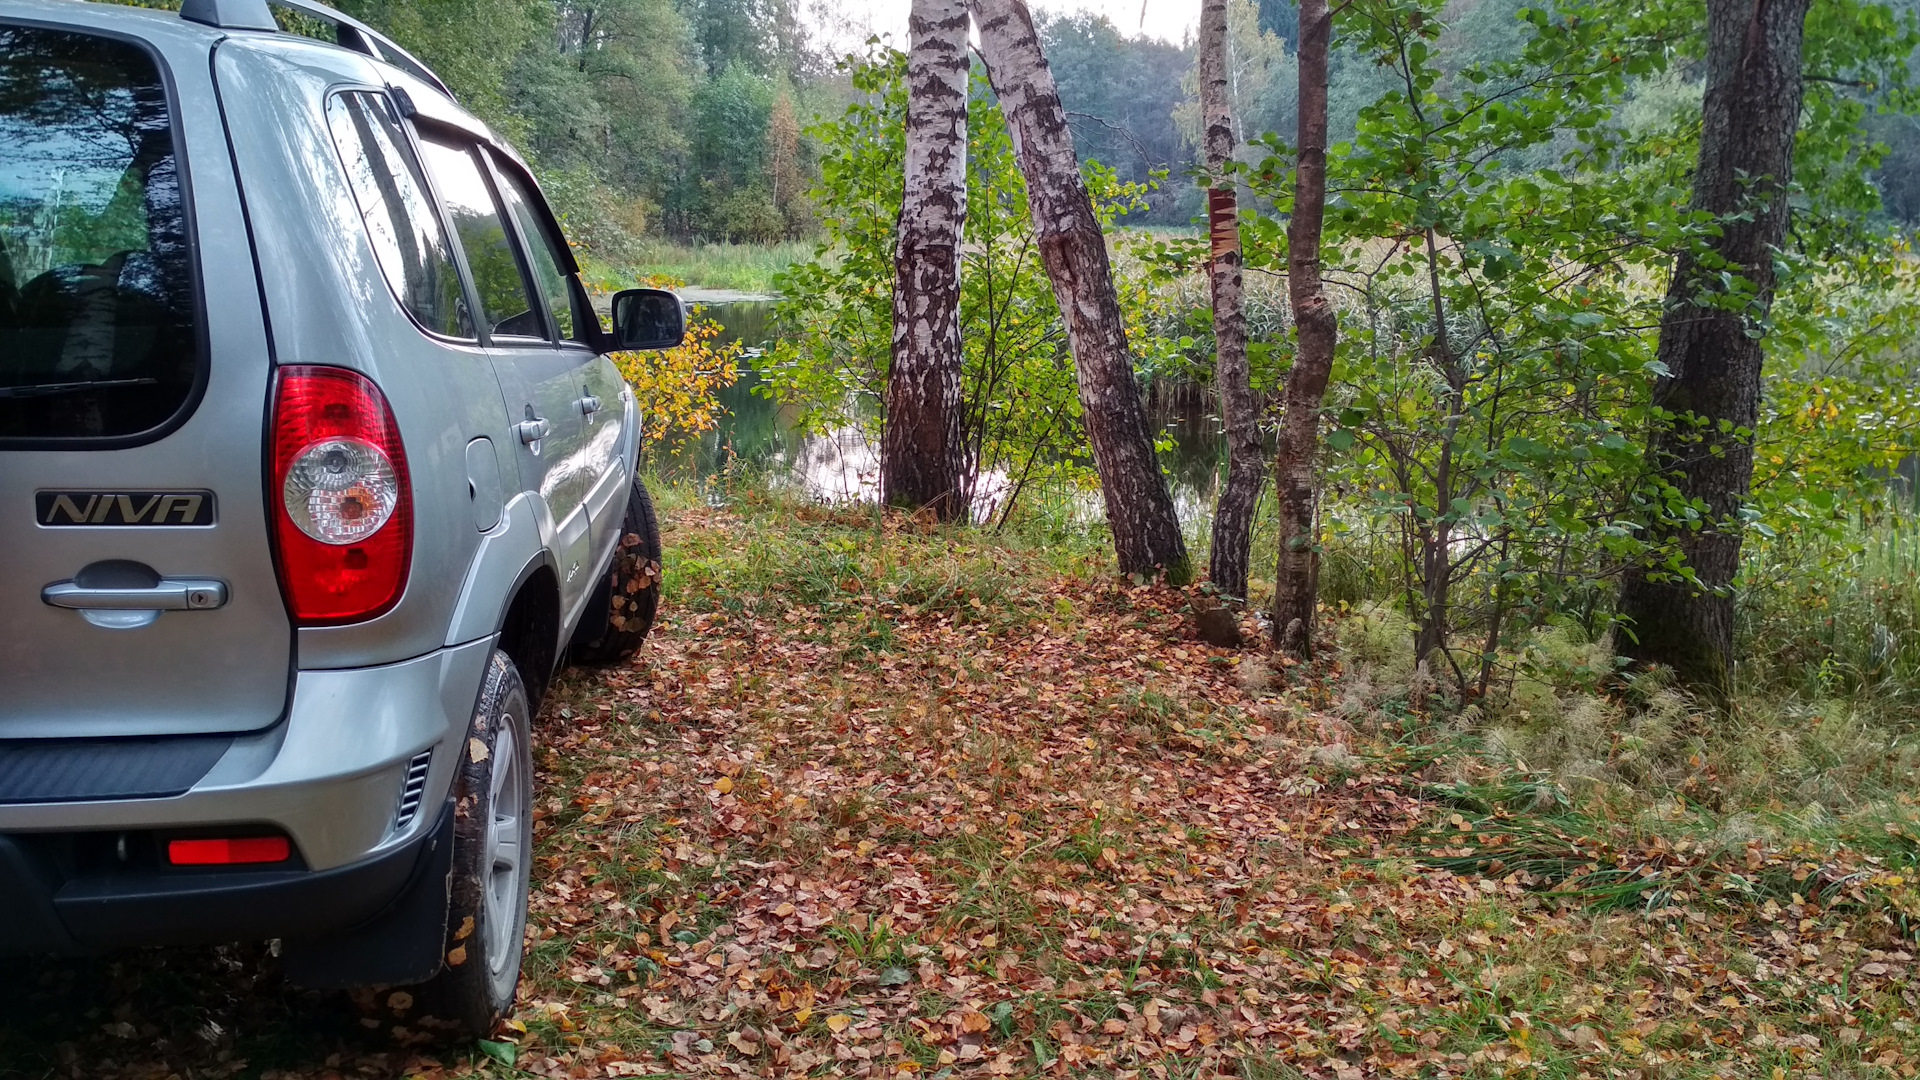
[688, 121]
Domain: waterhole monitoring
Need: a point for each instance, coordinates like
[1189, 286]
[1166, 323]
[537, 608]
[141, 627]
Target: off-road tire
[492, 859]
[632, 586]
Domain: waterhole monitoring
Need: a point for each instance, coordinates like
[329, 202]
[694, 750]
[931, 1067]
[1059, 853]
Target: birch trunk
[1246, 467]
[1749, 119]
[1296, 584]
[1146, 533]
[923, 455]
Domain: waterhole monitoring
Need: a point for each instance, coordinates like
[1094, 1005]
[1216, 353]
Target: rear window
[97, 314]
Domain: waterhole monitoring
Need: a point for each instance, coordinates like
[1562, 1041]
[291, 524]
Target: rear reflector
[249, 849]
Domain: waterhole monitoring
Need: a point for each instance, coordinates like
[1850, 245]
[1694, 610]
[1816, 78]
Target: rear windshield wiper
[52, 388]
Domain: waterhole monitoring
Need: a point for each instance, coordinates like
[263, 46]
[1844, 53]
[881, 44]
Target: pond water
[759, 434]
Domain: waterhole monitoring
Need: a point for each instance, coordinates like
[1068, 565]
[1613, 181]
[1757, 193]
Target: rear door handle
[589, 405]
[532, 430]
[125, 607]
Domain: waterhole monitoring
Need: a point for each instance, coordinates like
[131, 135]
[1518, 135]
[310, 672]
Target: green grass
[1835, 613]
[741, 267]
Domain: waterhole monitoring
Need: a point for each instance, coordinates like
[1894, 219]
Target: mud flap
[28, 925]
[398, 947]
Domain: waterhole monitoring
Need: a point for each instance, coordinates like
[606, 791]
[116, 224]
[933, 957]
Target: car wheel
[631, 588]
[492, 860]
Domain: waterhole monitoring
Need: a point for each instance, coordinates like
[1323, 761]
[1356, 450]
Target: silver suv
[312, 471]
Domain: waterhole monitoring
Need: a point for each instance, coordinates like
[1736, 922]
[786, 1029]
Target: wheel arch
[512, 592]
[529, 631]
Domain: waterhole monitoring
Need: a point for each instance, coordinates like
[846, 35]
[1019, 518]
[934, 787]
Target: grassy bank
[879, 800]
[736, 267]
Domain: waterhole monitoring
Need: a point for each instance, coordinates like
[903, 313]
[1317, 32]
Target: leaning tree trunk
[1712, 354]
[1246, 467]
[1146, 533]
[1296, 584]
[923, 454]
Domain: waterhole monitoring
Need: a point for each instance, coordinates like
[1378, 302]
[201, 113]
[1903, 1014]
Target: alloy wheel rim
[506, 854]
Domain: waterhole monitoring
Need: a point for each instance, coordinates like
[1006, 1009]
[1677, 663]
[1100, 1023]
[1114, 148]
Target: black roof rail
[349, 32]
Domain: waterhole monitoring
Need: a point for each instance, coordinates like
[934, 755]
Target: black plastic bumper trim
[72, 770]
[41, 914]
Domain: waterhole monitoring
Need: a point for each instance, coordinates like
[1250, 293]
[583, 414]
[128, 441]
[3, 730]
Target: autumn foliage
[679, 388]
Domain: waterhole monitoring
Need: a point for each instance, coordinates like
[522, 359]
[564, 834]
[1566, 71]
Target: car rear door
[605, 440]
[540, 381]
[137, 592]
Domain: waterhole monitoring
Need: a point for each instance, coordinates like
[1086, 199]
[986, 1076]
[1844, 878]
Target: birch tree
[1296, 584]
[922, 460]
[1146, 532]
[1246, 471]
[1710, 334]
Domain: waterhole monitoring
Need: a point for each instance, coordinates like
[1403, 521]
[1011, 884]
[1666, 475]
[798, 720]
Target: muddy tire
[631, 588]
[492, 859]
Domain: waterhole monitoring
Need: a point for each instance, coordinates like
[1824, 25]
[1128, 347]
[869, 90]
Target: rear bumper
[47, 909]
[331, 775]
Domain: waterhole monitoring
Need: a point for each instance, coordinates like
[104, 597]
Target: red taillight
[343, 513]
[227, 852]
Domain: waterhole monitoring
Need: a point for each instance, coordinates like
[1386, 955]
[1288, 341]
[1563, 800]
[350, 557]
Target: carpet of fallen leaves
[916, 806]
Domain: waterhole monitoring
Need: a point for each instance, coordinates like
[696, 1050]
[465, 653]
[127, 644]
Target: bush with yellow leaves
[679, 389]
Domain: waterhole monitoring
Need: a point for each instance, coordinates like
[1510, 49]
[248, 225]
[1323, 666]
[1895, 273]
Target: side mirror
[647, 319]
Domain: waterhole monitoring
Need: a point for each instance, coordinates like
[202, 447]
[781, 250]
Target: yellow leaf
[803, 1015]
[783, 910]
[457, 956]
[838, 1022]
[476, 751]
[723, 785]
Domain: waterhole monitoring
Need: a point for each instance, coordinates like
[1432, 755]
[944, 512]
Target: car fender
[510, 553]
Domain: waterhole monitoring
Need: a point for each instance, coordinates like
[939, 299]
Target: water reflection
[760, 436]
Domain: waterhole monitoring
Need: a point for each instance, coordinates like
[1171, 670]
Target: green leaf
[505, 1053]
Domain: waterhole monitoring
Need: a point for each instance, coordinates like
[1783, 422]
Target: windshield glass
[97, 335]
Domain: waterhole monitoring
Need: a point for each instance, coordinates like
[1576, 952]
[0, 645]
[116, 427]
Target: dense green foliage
[670, 117]
[1509, 193]
[1022, 419]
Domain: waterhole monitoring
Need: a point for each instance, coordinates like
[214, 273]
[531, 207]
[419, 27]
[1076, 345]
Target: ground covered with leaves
[882, 801]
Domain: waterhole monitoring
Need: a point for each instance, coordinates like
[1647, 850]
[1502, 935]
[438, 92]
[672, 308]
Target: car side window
[506, 303]
[556, 290]
[408, 238]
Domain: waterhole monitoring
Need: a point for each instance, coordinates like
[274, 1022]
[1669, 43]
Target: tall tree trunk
[1146, 532]
[923, 455]
[1296, 580]
[1436, 534]
[1712, 355]
[1246, 467]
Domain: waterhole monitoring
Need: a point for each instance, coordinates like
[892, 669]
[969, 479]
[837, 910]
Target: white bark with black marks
[923, 454]
[1146, 532]
[1246, 467]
